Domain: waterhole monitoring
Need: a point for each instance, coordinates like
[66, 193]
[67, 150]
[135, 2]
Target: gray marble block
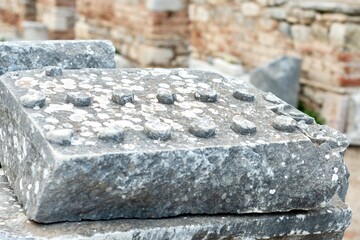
[328, 223]
[140, 158]
[69, 54]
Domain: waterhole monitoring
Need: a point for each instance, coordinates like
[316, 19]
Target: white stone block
[164, 5]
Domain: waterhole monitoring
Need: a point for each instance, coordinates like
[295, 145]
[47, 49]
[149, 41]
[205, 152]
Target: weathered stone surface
[329, 6]
[280, 77]
[353, 120]
[164, 5]
[16, 56]
[326, 223]
[269, 171]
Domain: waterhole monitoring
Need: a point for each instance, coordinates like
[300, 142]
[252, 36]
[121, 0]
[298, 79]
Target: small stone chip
[33, 99]
[242, 126]
[166, 96]
[284, 124]
[244, 95]
[157, 130]
[62, 137]
[206, 95]
[78, 99]
[114, 133]
[203, 128]
[122, 96]
[53, 71]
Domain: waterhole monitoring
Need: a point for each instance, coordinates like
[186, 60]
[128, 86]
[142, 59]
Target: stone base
[327, 223]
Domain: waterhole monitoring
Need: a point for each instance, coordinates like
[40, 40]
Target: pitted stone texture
[206, 95]
[313, 223]
[16, 56]
[53, 71]
[243, 126]
[158, 130]
[165, 96]
[270, 171]
[244, 96]
[79, 99]
[33, 99]
[323, 224]
[122, 97]
[60, 136]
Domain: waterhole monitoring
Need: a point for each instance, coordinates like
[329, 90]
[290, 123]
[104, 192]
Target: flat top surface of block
[103, 144]
[144, 84]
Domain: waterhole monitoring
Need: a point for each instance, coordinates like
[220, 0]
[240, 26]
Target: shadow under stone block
[139, 176]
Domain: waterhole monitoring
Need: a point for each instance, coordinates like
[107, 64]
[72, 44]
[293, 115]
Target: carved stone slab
[103, 144]
[74, 54]
[323, 224]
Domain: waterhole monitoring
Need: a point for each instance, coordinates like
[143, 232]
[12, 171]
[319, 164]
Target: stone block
[280, 77]
[330, 6]
[353, 120]
[106, 160]
[250, 9]
[345, 35]
[34, 31]
[164, 5]
[16, 56]
[154, 56]
[307, 225]
[334, 110]
[300, 33]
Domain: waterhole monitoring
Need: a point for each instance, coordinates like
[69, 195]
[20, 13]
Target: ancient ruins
[158, 153]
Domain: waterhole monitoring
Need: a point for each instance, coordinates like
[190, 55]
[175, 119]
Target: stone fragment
[165, 96]
[53, 71]
[33, 99]
[69, 54]
[250, 9]
[206, 95]
[244, 95]
[295, 225]
[122, 97]
[280, 77]
[60, 136]
[270, 171]
[345, 35]
[284, 124]
[157, 130]
[203, 128]
[78, 99]
[242, 126]
[112, 133]
[300, 33]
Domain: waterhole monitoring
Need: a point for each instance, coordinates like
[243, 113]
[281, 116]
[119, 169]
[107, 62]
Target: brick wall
[149, 33]
[325, 34]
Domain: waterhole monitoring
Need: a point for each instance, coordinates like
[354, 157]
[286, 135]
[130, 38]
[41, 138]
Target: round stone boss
[244, 95]
[61, 137]
[121, 96]
[33, 99]
[53, 71]
[242, 126]
[78, 99]
[165, 96]
[112, 133]
[203, 128]
[284, 124]
[157, 130]
[206, 95]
